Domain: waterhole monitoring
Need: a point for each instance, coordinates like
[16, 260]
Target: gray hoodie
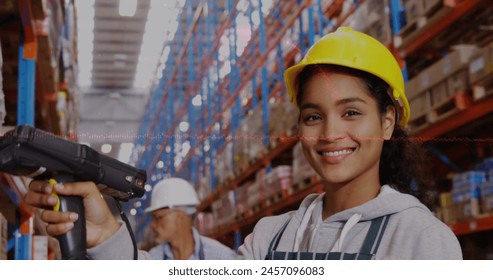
[412, 231]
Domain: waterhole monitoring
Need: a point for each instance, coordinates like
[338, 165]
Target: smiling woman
[342, 132]
[353, 110]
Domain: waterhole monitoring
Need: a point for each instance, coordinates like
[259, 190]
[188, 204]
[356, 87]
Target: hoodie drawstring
[350, 223]
[300, 232]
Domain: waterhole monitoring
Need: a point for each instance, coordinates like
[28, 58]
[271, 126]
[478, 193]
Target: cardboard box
[411, 88]
[40, 247]
[482, 64]
[439, 94]
[487, 204]
[368, 13]
[420, 105]
[436, 73]
[458, 82]
[381, 31]
[448, 214]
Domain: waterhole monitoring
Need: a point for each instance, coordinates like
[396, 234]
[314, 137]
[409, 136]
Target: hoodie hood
[389, 201]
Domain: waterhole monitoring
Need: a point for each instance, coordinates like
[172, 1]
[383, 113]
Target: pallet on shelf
[414, 28]
[458, 102]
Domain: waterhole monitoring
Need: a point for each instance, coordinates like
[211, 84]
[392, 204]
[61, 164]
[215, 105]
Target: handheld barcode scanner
[26, 151]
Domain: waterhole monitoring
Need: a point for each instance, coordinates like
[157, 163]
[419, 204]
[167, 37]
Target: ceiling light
[197, 101]
[119, 64]
[184, 126]
[127, 8]
[106, 148]
[85, 30]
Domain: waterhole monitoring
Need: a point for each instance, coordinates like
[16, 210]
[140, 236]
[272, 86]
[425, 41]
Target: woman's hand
[100, 223]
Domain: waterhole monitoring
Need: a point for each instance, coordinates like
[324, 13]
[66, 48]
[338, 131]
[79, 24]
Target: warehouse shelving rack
[249, 69]
[37, 91]
[222, 97]
[168, 103]
[464, 117]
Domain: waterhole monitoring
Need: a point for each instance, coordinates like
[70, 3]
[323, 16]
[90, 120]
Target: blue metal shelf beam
[258, 60]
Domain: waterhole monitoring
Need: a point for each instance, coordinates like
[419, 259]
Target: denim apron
[368, 250]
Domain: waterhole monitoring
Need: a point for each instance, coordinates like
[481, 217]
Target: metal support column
[25, 115]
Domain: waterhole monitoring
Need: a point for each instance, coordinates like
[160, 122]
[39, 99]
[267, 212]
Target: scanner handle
[73, 244]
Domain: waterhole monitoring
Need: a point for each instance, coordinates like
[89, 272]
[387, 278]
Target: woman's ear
[388, 122]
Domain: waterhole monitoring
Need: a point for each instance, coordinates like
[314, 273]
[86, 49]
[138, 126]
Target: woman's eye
[351, 113]
[311, 118]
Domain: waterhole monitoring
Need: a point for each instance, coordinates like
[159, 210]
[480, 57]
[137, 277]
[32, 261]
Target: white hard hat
[174, 193]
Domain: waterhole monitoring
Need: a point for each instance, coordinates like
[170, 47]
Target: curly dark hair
[403, 163]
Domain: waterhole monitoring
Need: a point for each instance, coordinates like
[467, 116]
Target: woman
[350, 92]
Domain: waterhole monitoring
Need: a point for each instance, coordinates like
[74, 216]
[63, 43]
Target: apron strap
[201, 250]
[375, 235]
[275, 241]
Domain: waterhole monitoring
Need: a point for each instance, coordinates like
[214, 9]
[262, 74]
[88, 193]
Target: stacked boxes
[40, 247]
[224, 209]
[224, 164]
[486, 188]
[50, 44]
[372, 18]
[466, 194]
[249, 141]
[471, 195]
[255, 194]
[481, 70]
[242, 198]
[438, 83]
[447, 207]
[482, 64]
[277, 181]
[487, 196]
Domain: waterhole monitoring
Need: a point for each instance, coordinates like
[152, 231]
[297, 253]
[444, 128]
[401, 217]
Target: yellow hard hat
[353, 49]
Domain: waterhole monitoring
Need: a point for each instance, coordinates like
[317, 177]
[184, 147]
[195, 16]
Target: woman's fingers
[56, 217]
[40, 199]
[58, 222]
[82, 189]
[58, 229]
[40, 186]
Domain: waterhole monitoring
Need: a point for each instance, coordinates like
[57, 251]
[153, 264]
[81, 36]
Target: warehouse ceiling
[121, 52]
[116, 69]
[109, 105]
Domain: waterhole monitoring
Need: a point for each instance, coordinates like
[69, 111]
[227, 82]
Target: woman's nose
[331, 131]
